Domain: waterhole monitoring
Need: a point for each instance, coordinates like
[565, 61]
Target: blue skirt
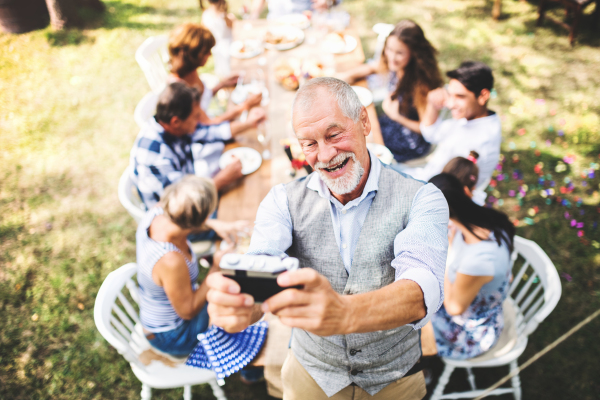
[402, 142]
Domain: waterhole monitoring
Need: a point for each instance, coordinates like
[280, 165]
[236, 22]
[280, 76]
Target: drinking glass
[264, 138]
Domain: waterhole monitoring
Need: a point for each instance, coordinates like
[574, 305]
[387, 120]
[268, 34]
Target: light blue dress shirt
[420, 249]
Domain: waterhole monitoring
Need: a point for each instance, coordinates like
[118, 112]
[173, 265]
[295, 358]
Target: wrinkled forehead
[316, 112]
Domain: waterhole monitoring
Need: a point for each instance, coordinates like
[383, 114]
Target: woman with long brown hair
[410, 60]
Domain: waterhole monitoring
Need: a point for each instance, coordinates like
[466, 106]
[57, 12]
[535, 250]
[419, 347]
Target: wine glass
[264, 138]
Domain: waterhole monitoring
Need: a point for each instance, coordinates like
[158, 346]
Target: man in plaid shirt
[173, 144]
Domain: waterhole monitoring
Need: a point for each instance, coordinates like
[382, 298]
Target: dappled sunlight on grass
[67, 128]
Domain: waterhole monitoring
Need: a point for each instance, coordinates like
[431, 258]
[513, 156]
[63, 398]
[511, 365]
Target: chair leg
[187, 392]
[471, 378]
[146, 392]
[217, 391]
[541, 12]
[442, 382]
[516, 381]
[575, 24]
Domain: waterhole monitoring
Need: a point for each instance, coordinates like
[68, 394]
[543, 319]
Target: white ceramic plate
[245, 48]
[250, 158]
[294, 35]
[351, 44]
[364, 95]
[299, 21]
[383, 153]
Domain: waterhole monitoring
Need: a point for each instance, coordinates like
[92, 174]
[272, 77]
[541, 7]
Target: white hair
[346, 97]
[347, 182]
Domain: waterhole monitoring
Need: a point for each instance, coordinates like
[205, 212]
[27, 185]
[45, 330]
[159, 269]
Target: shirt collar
[316, 183]
[166, 136]
[476, 121]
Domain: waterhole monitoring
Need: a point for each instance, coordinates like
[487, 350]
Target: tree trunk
[58, 16]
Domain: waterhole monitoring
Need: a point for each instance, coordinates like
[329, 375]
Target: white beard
[347, 182]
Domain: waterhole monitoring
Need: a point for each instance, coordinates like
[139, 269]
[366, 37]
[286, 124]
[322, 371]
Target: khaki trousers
[299, 385]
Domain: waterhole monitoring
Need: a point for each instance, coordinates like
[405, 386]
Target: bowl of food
[283, 38]
[293, 72]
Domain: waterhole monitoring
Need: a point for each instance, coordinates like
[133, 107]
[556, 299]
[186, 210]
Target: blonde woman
[172, 304]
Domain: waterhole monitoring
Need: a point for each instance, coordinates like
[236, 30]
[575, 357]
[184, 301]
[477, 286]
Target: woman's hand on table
[253, 100]
[228, 231]
[231, 173]
[256, 116]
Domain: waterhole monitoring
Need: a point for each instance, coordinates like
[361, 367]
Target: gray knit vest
[371, 360]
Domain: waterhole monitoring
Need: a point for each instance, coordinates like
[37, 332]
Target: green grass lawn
[66, 129]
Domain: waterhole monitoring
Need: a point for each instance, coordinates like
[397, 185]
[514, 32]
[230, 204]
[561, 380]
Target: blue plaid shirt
[159, 158]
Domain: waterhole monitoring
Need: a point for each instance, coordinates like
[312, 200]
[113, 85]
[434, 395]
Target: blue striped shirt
[156, 312]
[420, 249]
[159, 158]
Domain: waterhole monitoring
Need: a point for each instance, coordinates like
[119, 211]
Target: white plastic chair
[153, 58]
[129, 197]
[383, 31]
[533, 294]
[145, 109]
[117, 322]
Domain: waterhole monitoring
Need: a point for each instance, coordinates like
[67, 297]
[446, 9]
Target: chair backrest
[383, 31]
[129, 197]
[145, 109]
[116, 313]
[153, 58]
[536, 287]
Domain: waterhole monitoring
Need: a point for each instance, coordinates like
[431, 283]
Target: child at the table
[216, 18]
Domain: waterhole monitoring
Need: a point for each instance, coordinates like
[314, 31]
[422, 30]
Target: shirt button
[353, 352]
[355, 372]
[343, 211]
[344, 246]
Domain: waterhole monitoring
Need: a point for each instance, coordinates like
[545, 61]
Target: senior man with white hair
[372, 245]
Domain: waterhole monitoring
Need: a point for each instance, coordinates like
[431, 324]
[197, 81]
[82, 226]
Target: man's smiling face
[334, 145]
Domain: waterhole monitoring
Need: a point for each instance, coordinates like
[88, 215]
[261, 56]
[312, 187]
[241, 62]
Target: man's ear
[175, 121]
[483, 98]
[365, 121]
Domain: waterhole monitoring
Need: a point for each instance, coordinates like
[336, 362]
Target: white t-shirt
[456, 138]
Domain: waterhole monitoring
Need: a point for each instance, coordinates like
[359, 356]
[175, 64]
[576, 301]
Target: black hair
[176, 100]
[472, 215]
[474, 75]
[465, 169]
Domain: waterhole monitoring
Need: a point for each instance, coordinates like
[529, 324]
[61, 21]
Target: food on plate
[335, 41]
[293, 72]
[245, 48]
[280, 37]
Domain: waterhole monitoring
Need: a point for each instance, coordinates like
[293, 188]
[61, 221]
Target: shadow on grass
[118, 15]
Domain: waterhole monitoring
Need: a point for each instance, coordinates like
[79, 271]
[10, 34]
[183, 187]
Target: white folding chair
[153, 58]
[116, 318]
[383, 31]
[533, 294]
[129, 197]
[145, 109]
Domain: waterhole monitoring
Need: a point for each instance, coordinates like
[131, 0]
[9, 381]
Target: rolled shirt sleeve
[421, 248]
[273, 226]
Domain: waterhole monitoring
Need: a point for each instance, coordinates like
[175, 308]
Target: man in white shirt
[472, 127]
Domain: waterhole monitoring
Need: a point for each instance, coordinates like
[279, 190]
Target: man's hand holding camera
[316, 308]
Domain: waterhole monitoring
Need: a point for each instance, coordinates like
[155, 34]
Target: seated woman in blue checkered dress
[478, 273]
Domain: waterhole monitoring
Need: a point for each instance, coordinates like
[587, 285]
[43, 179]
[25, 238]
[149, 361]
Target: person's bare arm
[256, 8]
[228, 175]
[392, 110]
[357, 73]
[229, 115]
[460, 294]
[255, 117]
[172, 274]
[317, 308]
[435, 102]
